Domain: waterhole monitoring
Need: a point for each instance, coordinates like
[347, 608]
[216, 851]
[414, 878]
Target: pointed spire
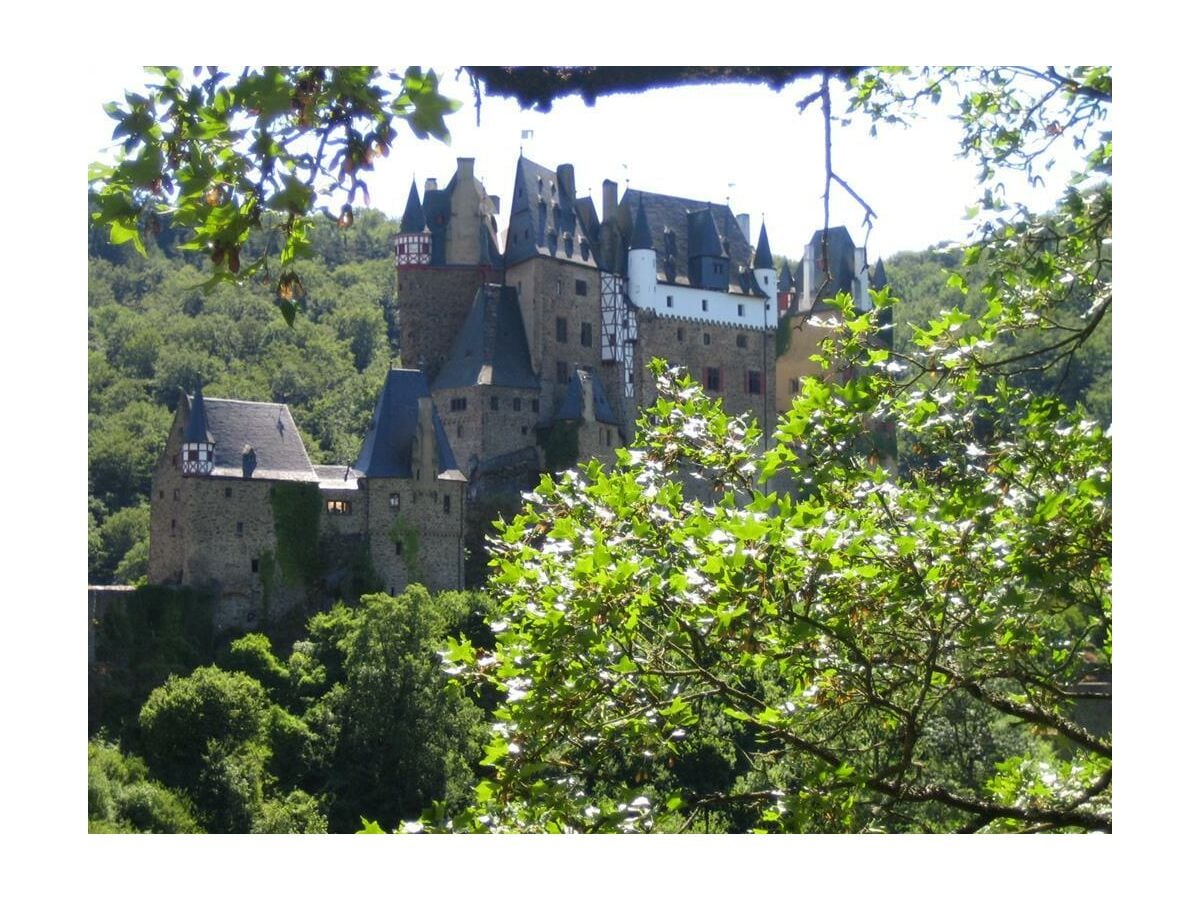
[879, 277]
[413, 220]
[785, 279]
[197, 426]
[641, 230]
[762, 253]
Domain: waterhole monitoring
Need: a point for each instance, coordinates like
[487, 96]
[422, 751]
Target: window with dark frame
[239, 529]
[337, 507]
[753, 381]
[712, 379]
[394, 501]
[560, 371]
[741, 341]
[560, 330]
[585, 334]
[458, 404]
[580, 287]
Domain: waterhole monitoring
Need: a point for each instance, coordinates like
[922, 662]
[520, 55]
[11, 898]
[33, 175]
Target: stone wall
[729, 355]
[431, 306]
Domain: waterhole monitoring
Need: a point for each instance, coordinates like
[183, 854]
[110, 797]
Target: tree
[879, 651]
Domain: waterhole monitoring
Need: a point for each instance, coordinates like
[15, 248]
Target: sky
[744, 145]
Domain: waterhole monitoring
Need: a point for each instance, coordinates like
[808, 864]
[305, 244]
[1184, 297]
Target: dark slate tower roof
[490, 347]
[197, 425]
[762, 253]
[267, 429]
[546, 215]
[641, 231]
[841, 263]
[571, 407]
[387, 448]
[879, 279]
[785, 279]
[413, 220]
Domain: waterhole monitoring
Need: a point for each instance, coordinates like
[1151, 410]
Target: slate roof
[436, 210]
[387, 448]
[338, 478]
[841, 263]
[762, 253]
[785, 280]
[571, 407]
[266, 428]
[668, 221]
[490, 348]
[879, 279]
[413, 220]
[545, 205]
[197, 424]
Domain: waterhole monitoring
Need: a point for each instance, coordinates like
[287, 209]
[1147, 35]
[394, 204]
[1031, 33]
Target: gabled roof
[571, 407]
[265, 428]
[490, 348]
[387, 449]
[546, 214]
[413, 220]
[669, 217]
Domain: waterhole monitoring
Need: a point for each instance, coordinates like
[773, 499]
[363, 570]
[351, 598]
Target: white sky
[744, 143]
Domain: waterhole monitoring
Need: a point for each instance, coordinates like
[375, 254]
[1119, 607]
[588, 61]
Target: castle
[522, 360]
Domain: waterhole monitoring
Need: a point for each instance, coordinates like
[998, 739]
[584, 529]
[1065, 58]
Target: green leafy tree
[123, 798]
[882, 651]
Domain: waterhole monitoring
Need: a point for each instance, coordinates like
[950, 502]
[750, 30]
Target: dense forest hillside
[153, 329]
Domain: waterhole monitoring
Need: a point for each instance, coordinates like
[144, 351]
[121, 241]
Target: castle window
[580, 287]
[524, 429]
[172, 526]
[337, 507]
[494, 403]
[670, 301]
[560, 330]
[254, 565]
[707, 339]
[160, 494]
[560, 372]
[679, 334]
[175, 494]
[712, 379]
[741, 309]
[446, 504]
[558, 287]
[754, 383]
[741, 341]
[228, 492]
[516, 404]
[458, 404]
[704, 305]
[239, 529]
[794, 385]
[535, 405]
[585, 334]
[394, 501]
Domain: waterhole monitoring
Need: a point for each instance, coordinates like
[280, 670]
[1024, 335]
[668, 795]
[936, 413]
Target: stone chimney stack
[566, 181]
[743, 221]
[466, 169]
[609, 201]
[430, 185]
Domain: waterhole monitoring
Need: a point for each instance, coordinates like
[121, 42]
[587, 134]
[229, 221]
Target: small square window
[670, 301]
[239, 529]
[580, 287]
[228, 492]
[494, 403]
[254, 565]
[337, 507]
[394, 501]
[585, 334]
[741, 309]
[704, 305]
[707, 339]
[516, 404]
[741, 341]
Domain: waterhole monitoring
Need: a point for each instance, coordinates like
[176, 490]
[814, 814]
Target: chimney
[743, 221]
[609, 203]
[466, 169]
[430, 185]
[566, 181]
